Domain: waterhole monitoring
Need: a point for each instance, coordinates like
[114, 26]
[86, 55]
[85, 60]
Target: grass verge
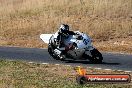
[22, 21]
[18, 74]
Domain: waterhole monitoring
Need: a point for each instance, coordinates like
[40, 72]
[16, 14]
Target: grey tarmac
[111, 60]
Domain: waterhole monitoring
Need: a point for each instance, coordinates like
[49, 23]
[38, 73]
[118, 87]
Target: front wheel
[51, 52]
[96, 56]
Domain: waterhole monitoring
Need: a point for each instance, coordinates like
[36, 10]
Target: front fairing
[85, 42]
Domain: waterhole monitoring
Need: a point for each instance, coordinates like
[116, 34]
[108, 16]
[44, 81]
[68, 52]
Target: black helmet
[64, 28]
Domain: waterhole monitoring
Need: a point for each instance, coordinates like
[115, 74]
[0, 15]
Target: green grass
[18, 74]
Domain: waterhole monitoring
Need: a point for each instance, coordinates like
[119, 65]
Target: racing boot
[59, 54]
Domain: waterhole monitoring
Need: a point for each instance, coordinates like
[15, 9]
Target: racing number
[85, 41]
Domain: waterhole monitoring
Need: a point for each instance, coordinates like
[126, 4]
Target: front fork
[89, 50]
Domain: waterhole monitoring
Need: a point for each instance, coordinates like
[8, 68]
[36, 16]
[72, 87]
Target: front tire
[96, 56]
[51, 52]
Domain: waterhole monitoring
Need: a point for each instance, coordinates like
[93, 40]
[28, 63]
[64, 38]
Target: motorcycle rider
[62, 34]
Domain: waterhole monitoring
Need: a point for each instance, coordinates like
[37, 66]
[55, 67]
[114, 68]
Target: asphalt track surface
[111, 61]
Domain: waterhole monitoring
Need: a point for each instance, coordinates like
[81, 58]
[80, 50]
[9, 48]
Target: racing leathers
[60, 42]
[62, 36]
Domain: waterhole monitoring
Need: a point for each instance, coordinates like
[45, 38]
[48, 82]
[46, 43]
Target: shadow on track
[88, 62]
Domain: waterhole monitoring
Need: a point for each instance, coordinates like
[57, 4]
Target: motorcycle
[76, 47]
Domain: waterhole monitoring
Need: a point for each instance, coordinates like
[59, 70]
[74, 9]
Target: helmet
[64, 28]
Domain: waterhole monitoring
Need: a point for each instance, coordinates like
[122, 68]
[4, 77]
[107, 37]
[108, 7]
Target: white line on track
[128, 71]
[45, 63]
[30, 62]
[57, 64]
[98, 68]
[119, 70]
[89, 67]
[68, 65]
[107, 69]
